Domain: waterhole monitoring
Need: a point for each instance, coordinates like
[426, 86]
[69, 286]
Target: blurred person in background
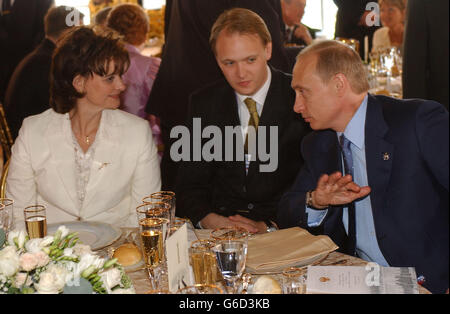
[392, 15]
[353, 21]
[296, 32]
[425, 51]
[131, 21]
[28, 91]
[21, 30]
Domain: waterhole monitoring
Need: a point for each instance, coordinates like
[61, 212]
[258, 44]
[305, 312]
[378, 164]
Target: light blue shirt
[367, 246]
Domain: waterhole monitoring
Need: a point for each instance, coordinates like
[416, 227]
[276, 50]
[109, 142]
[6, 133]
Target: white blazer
[125, 169]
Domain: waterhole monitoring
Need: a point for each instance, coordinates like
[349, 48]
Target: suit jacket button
[250, 206]
[222, 208]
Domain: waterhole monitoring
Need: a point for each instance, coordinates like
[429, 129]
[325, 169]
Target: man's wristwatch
[271, 226]
[309, 199]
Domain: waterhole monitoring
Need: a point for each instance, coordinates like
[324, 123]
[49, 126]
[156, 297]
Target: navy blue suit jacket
[409, 194]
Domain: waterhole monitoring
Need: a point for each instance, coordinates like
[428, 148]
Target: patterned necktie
[254, 118]
[348, 168]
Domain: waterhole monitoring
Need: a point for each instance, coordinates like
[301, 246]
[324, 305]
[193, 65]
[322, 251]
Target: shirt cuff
[315, 216]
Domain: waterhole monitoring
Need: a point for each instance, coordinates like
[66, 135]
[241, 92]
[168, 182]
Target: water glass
[35, 221]
[231, 256]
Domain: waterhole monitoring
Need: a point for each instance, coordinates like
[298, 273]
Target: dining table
[142, 283]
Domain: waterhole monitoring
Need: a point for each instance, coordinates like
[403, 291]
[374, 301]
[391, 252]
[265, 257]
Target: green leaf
[2, 237]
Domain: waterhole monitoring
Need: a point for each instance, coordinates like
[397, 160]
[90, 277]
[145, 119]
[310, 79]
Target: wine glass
[231, 256]
[164, 196]
[200, 289]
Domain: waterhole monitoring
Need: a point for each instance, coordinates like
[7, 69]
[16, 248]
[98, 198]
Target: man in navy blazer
[393, 210]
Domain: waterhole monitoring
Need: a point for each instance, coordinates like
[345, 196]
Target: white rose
[9, 261]
[19, 236]
[53, 280]
[42, 259]
[111, 278]
[28, 261]
[33, 245]
[20, 278]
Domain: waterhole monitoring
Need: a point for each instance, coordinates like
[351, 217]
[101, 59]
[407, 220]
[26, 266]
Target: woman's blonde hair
[333, 58]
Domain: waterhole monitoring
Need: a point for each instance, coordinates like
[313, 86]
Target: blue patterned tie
[348, 168]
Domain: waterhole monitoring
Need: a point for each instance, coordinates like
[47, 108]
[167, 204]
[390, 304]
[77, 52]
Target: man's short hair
[333, 58]
[57, 20]
[241, 21]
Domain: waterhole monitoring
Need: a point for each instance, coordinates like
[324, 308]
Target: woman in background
[392, 15]
[83, 159]
[131, 21]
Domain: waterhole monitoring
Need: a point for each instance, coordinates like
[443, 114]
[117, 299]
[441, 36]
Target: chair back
[5, 135]
[3, 179]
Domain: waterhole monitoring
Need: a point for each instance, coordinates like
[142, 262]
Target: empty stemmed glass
[163, 196]
[231, 254]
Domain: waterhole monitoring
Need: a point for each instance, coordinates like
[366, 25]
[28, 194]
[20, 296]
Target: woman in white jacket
[84, 159]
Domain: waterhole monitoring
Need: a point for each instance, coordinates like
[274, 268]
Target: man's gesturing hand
[335, 189]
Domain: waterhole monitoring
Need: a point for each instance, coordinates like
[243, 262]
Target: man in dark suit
[188, 63]
[28, 90]
[220, 188]
[425, 51]
[296, 32]
[391, 206]
[352, 21]
[21, 30]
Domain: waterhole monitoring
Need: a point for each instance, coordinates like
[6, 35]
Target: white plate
[95, 234]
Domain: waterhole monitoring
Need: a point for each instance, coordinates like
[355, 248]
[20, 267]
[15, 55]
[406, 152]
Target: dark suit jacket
[20, 32]
[425, 52]
[409, 190]
[223, 186]
[28, 89]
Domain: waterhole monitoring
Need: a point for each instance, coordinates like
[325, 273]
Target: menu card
[178, 259]
[370, 279]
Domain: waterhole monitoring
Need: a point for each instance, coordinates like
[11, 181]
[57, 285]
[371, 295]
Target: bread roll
[266, 285]
[128, 254]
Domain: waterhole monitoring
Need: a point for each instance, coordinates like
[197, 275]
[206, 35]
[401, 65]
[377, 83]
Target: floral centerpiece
[57, 264]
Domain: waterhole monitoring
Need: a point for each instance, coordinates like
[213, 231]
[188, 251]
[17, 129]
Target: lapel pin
[103, 165]
[386, 156]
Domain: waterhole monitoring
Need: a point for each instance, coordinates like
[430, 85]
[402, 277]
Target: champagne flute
[35, 221]
[231, 256]
[164, 196]
[153, 233]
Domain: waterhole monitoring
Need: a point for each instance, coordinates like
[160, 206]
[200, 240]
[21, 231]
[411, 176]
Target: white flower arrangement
[57, 264]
